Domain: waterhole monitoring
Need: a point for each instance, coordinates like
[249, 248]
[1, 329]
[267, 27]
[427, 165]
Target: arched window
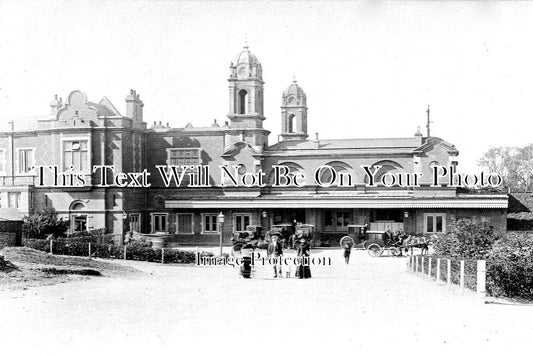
[291, 124]
[387, 166]
[78, 218]
[293, 167]
[340, 168]
[243, 96]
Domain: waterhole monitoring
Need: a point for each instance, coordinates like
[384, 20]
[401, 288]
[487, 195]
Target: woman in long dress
[303, 270]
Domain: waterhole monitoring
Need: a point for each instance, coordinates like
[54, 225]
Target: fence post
[197, 255]
[89, 250]
[51, 247]
[162, 255]
[462, 276]
[481, 278]
[422, 266]
[429, 268]
[438, 270]
[449, 273]
[125, 251]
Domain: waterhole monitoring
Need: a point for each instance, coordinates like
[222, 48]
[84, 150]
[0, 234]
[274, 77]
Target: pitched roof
[356, 143]
[237, 147]
[396, 145]
[105, 108]
[108, 104]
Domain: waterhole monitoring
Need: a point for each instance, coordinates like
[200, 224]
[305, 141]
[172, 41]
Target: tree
[514, 164]
[42, 224]
[466, 238]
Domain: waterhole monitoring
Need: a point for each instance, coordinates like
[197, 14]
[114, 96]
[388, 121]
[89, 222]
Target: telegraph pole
[428, 122]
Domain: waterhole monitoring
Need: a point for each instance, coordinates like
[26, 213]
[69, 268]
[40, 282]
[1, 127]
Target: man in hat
[275, 250]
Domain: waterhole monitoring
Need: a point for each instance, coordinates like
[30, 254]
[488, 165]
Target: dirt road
[371, 306]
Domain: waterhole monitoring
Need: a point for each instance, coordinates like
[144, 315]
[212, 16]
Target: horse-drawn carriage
[397, 243]
[377, 242]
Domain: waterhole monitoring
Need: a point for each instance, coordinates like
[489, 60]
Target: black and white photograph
[266, 177]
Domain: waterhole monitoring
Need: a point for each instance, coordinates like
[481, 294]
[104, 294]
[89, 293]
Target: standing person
[275, 250]
[347, 252]
[246, 253]
[303, 270]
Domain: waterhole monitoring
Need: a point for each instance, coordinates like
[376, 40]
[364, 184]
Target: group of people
[275, 250]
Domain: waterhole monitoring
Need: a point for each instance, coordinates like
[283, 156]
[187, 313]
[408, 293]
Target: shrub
[41, 245]
[93, 236]
[136, 251]
[510, 267]
[466, 239]
[40, 225]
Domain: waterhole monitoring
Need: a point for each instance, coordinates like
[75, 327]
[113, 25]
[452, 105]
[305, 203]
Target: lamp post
[220, 225]
[264, 215]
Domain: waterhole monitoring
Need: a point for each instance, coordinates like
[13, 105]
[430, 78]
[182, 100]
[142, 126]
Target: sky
[369, 69]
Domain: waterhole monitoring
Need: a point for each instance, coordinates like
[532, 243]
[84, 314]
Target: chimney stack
[55, 105]
[134, 106]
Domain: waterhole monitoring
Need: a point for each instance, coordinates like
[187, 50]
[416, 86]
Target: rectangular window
[429, 224]
[241, 222]
[210, 222]
[14, 200]
[80, 223]
[135, 222]
[183, 156]
[26, 160]
[434, 223]
[76, 155]
[159, 222]
[184, 223]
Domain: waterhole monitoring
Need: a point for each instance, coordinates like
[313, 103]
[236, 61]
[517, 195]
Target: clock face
[242, 71]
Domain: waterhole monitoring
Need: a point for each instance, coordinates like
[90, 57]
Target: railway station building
[80, 133]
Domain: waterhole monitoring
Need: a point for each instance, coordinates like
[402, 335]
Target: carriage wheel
[374, 250]
[346, 240]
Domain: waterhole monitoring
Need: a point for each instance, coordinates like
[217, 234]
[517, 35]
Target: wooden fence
[467, 274]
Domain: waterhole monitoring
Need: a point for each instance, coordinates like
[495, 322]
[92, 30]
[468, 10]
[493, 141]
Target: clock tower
[294, 113]
[246, 91]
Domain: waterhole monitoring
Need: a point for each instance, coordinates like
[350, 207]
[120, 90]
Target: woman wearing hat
[303, 270]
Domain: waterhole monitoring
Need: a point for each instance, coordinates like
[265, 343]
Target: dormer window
[183, 156]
